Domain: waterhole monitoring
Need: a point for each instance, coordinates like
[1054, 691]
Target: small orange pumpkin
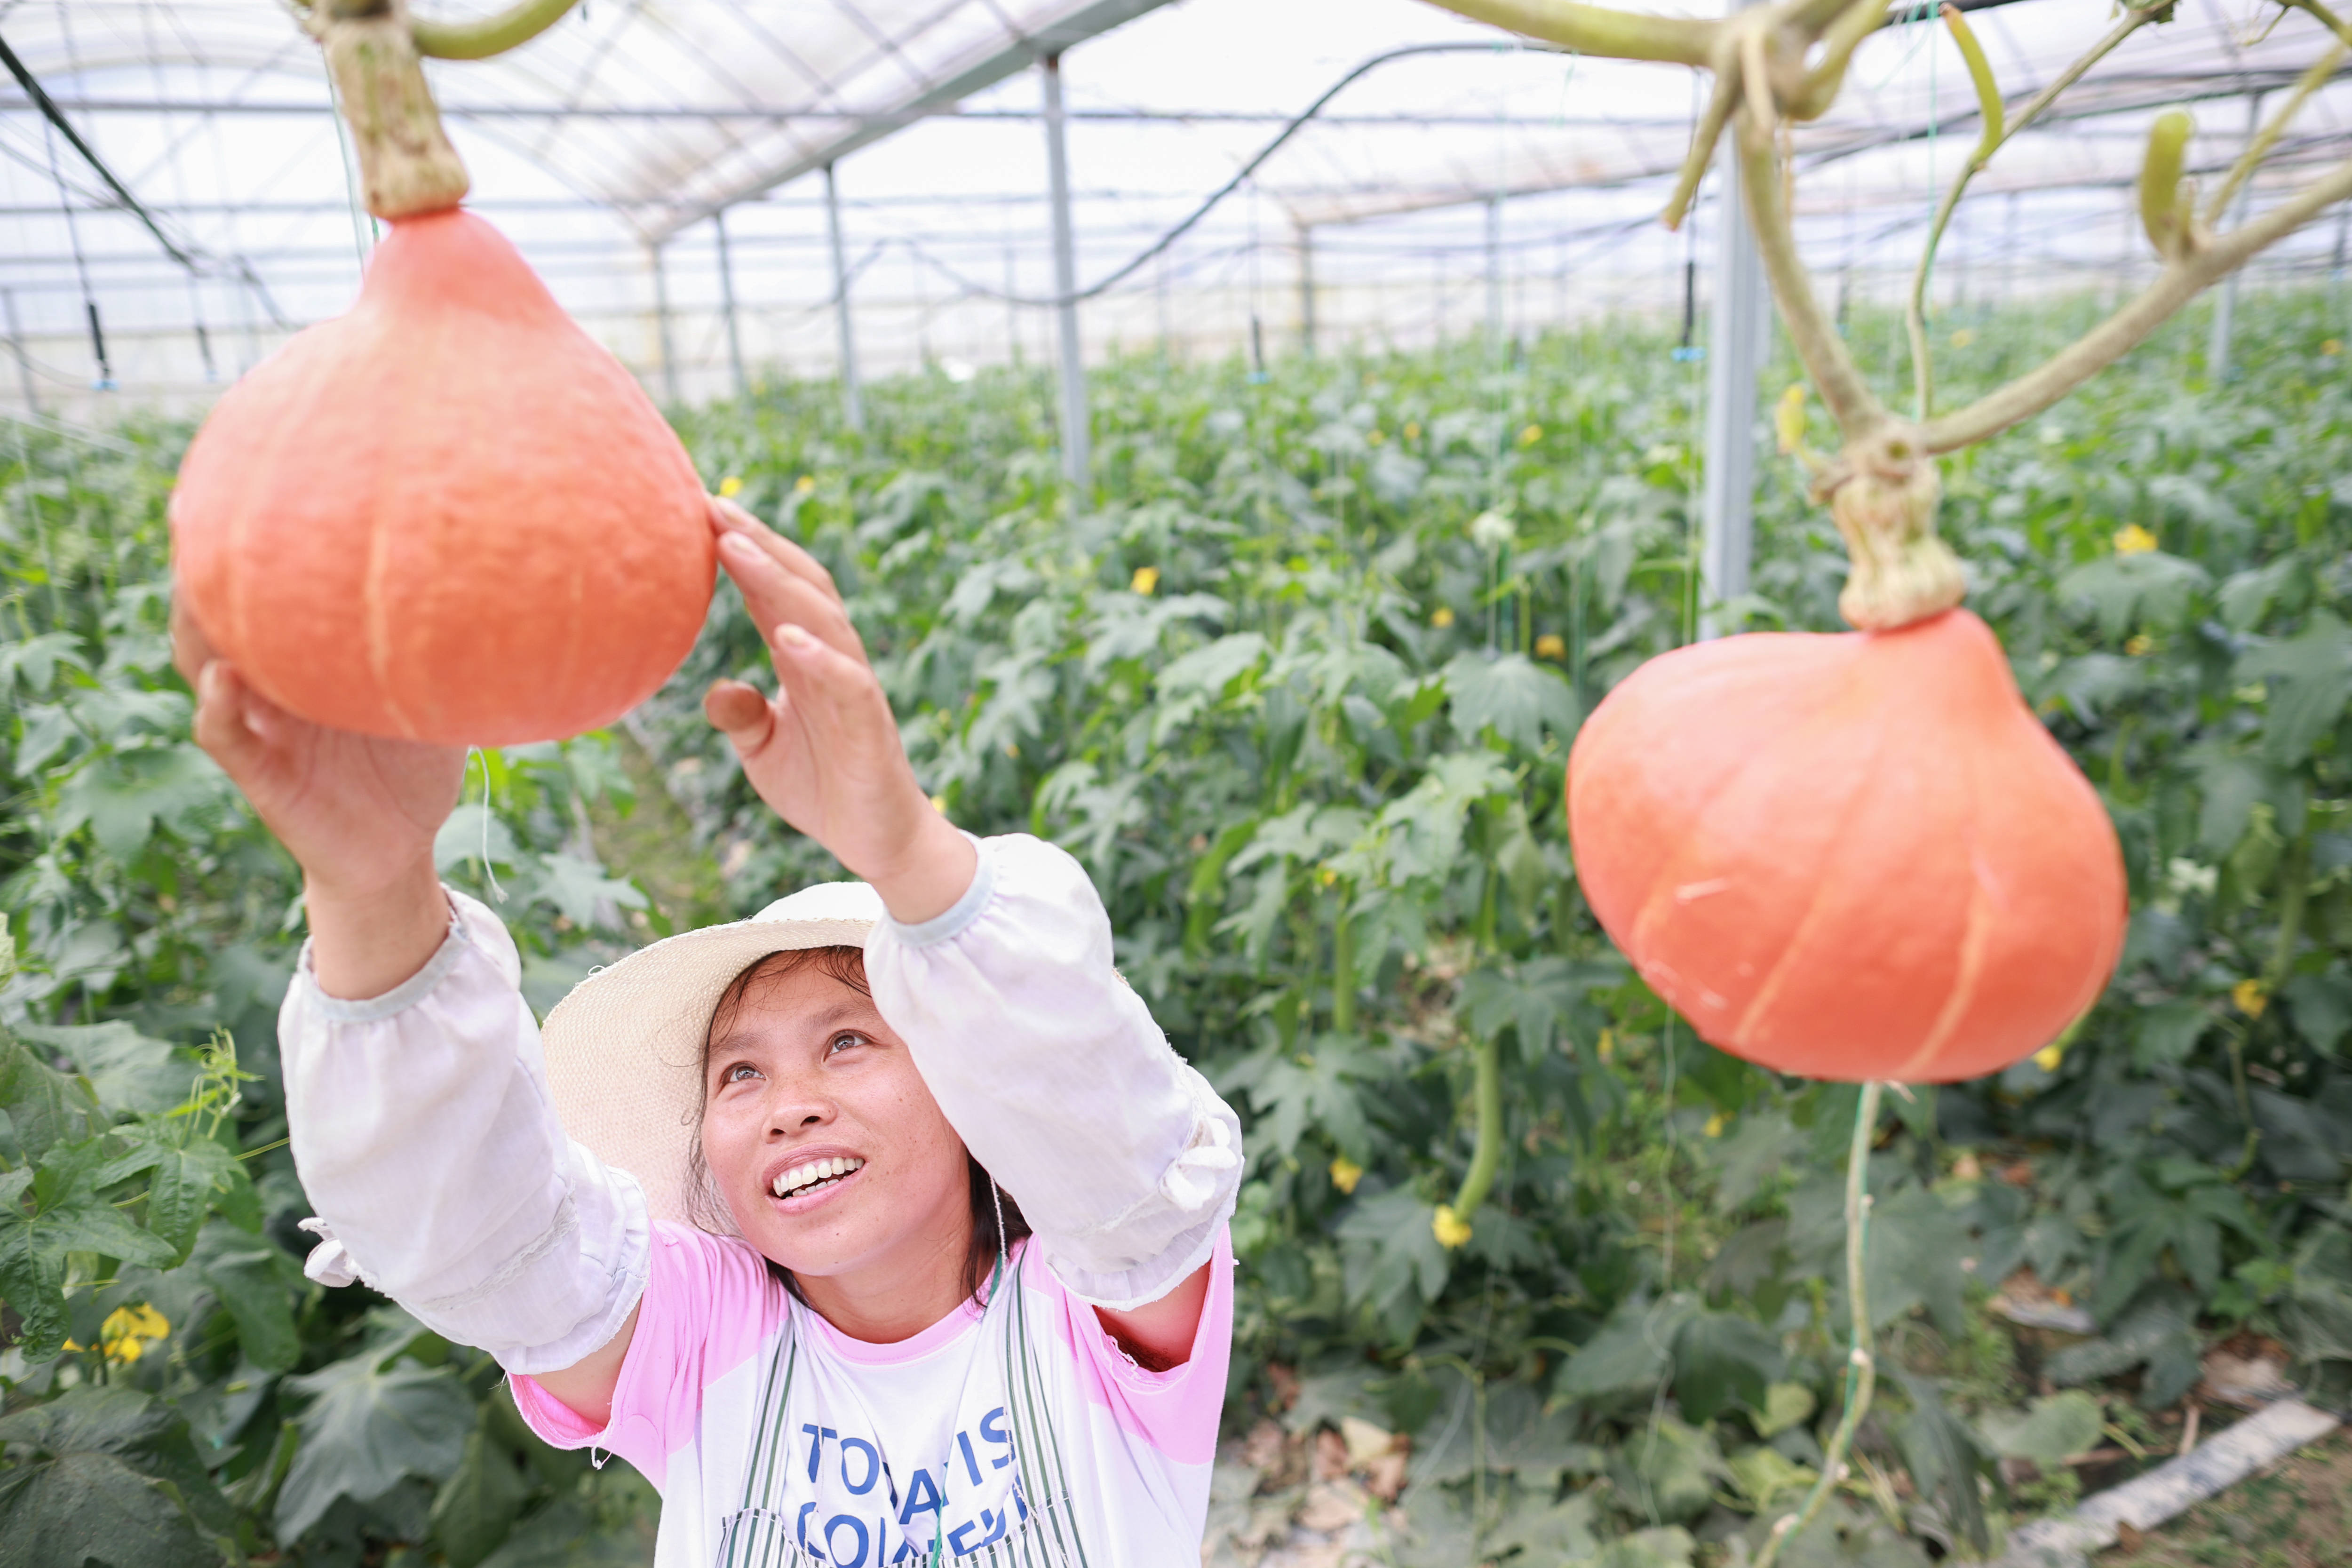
[1853, 857]
[447, 516]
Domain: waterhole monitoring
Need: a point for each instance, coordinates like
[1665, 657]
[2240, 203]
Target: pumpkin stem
[1883, 492]
[1862, 1368]
[407, 167]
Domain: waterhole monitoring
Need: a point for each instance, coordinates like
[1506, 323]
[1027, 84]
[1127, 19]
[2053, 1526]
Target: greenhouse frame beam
[1075, 432]
[1016, 56]
[852, 400]
[1737, 321]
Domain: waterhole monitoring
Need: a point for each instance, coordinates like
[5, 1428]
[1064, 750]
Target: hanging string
[489, 872]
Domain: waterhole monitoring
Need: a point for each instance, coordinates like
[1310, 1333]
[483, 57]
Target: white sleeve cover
[423, 1131]
[1122, 1158]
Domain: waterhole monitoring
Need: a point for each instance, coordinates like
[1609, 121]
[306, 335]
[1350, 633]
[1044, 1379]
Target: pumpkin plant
[1859, 856]
[448, 515]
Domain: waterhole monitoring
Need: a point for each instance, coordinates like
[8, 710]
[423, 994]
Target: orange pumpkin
[1851, 856]
[447, 516]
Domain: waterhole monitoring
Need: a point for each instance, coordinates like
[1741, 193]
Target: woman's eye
[741, 1072]
[841, 1041]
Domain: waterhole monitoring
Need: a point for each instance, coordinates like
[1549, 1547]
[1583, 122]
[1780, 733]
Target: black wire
[56, 117]
[1242, 174]
[50, 110]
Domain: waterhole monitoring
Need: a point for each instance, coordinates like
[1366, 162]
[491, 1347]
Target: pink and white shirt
[1013, 1431]
[1016, 1432]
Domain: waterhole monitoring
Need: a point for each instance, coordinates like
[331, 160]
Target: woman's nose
[794, 1104]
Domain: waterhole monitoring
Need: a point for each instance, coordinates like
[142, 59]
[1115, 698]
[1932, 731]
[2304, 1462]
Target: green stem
[1343, 970]
[478, 40]
[1862, 1369]
[2108, 342]
[1487, 1106]
[1996, 134]
[1598, 30]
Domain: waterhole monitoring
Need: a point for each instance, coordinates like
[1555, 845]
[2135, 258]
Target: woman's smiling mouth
[804, 1185]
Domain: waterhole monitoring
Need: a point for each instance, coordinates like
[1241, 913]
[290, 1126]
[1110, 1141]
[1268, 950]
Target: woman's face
[830, 1152]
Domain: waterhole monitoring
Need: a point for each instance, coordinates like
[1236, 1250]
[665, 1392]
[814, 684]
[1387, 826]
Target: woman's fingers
[727, 517]
[739, 712]
[776, 596]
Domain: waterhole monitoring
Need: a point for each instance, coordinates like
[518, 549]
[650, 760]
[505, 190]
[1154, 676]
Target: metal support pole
[1735, 354]
[16, 347]
[1012, 305]
[727, 303]
[2225, 307]
[661, 321]
[1307, 291]
[1075, 456]
[853, 404]
[1494, 271]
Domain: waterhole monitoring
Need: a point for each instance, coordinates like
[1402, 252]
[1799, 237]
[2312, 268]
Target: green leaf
[1919, 1255]
[123, 794]
[476, 1507]
[1629, 1354]
[256, 1286]
[1747, 1156]
[69, 1214]
[93, 1511]
[1785, 1405]
[1944, 1458]
[44, 1105]
[131, 1072]
[2310, 679]
[96, 1456]
[1517, 696]
[2321, 1006]
[180, 1177]
[1722, 1359]
[2151, 588]
[1671, 1468]
[2054, 1430]
[578, 888]
[1764, 1473]
[365, 1428]
[2164, 1034]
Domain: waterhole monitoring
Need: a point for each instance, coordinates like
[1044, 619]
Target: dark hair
[703, 1204]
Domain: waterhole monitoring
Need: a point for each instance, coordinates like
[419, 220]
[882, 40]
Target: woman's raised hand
[357, 812]
[825, 750]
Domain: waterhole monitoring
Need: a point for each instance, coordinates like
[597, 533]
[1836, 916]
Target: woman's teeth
[815, 1174]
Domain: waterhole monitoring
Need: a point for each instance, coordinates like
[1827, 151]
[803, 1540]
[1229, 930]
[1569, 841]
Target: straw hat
[625, 1048]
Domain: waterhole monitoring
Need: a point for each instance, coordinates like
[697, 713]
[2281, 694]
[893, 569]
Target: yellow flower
[940, 804]
[1452, 1230]
[2141, 646]
[1714, 1125]
[2251, 997]
[1551, 645]
[1607, 1046]
[1375, 438]
[730, 487]
[2332, 346]
[2048, 1058]
[1964, 337]
[804, 484]
[1442, 617]
[1789, 419]
[1531, 435]
[1145, 579]
[1412, 430]
[127, 1331]
[2131, 539]
[1346, 1173]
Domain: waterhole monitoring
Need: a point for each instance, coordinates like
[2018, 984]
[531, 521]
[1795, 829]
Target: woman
[882, 1227]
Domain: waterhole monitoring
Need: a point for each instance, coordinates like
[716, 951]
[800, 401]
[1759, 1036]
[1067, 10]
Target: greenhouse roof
[631, 123]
